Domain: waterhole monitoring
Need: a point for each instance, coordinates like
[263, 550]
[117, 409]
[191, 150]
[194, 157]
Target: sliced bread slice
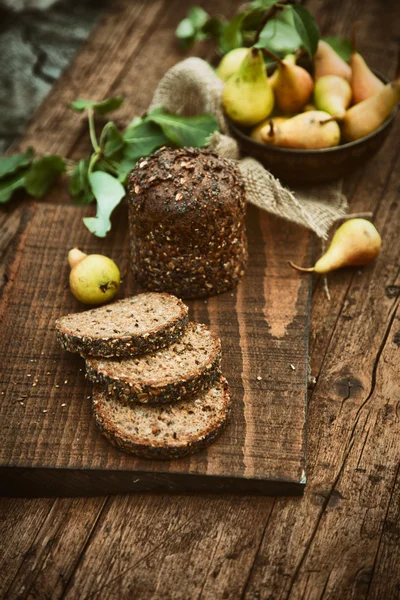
[188, 366]
[163, 432]
[136, 325]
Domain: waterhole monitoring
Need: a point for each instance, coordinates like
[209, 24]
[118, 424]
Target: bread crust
[142, 448]
[187, 222]
[148, 392]
[125, 345]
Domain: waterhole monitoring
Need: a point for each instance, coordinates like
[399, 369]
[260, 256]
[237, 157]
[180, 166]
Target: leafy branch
[280, 26]
[102, 176]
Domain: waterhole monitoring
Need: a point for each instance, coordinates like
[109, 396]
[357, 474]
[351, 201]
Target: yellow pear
[292, 84]
[290, 58]
[328, 62]
[366, 116]
[247, 97]
[230, 63]
[355, 243]
[309, 130]
[256, 134]
[364, 83]
[333, 95]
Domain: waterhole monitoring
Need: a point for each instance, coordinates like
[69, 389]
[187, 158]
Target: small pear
[256, 133]
[247, 97]
[230, 63]
[289, 58]
[328, 62]
[364, 83]
[355, 243]
[292, 85]
[333, 95]
[310, 130]
[366, 116]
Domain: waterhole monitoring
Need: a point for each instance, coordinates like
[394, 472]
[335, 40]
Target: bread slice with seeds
[188, 366]
[136, 325]
[163, 432]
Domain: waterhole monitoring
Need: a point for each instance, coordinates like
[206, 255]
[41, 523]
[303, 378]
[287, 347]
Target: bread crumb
[259, 378]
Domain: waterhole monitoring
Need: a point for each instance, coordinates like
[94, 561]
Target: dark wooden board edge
[50, 483]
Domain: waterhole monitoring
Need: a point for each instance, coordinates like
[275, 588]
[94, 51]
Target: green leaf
[101, 108]
[10, 164]
[231, 36]
[144, 138]
[186, 131]
[108, 192]
[306, 28]
[42, 174]
[185, 30]
[135, 121]
[111, 140]
[79, 185]
[262, 4]
[340, 46]
[213, 27]
[279, 37]
[197, 16]
[10, 184]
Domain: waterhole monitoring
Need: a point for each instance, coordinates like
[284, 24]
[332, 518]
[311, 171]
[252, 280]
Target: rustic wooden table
[342, 539]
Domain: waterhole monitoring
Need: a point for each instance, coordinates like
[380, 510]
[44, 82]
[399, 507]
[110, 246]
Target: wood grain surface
[45, 409]
[341, 541]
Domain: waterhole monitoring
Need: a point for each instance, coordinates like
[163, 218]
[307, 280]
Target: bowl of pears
[307, 124]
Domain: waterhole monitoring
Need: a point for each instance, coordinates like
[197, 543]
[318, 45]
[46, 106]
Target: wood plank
[173, 548]
[51, 559]
[45, 408]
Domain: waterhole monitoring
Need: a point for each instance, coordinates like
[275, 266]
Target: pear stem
[353, 36]
[301, 269]
[271, 12]
[358, 215]
[271, 131]
[274, 56]
[328, 120]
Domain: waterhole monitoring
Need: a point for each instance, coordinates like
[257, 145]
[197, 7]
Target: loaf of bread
[136, 325]
[166, 431]
[187, 223]
[186, 367]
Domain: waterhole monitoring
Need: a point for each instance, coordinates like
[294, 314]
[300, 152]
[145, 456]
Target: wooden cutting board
[50, 445]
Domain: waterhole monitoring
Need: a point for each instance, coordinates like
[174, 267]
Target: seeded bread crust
[129, 387]
[187, 222]
[122, 344]
[211, 409]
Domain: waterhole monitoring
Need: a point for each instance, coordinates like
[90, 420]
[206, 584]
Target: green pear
[94, 278]
[310, 130]
[355, 244]
[247, 97]
[328, 62]
[292, 84]
[366, 116]
[230, 63]
[333, 95]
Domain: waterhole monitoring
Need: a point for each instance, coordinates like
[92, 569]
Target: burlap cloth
[192, 88]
